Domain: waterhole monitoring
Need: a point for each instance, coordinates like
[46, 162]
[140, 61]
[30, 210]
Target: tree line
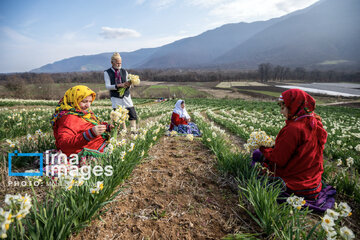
[265, 72]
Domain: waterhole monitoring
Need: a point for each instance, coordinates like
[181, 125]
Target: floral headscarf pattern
[69, 104]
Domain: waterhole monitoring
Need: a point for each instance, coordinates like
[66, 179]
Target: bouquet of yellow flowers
[258, 139]
[134, 79]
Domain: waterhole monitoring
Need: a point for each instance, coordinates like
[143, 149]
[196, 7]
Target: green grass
[158, 91]
[159, 87]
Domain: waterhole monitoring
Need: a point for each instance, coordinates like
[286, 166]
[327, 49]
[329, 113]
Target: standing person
[116, 78]
[297, 157]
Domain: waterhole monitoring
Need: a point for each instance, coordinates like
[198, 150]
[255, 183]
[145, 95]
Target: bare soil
[176, 193]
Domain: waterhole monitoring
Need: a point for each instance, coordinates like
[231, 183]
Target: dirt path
[176, 193]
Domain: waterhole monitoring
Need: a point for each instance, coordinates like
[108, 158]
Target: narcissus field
[69, 207]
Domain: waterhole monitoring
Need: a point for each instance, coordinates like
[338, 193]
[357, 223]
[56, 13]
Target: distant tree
[17, 86]
[315, 75]
[300, 73]
[278, 73]
[264, 71]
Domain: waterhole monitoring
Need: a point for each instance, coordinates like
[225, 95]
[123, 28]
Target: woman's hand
[109, 127]
[99, 129]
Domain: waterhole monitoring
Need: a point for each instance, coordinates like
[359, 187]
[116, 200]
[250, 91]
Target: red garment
[298, 153]
[72, 134]
[176, 120]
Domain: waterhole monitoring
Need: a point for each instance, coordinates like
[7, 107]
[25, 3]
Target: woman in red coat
[297, 156]
[180, 116]
[75, 126]
[180, 120]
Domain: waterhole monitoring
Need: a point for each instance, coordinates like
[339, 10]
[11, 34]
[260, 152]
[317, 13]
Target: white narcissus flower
[29, 137]
[349, 161]
[344, 209]
[357, 148]
[346, 233]
[339, 162]
[190, 137]
[100, 185]
[109, 149]
[10, 198]
[38, 132]
[132, 146]
[98, 188]
[296, 202]
[327, 222]
[122, 155]
[330, 233]
[5, 218]
[332, 214]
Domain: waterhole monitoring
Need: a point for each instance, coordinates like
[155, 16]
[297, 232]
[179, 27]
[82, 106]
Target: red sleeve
[285, 145]
[71, 134]
[176, 120]
[108, 128]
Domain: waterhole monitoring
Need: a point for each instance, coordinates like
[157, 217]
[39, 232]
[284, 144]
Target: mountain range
[326, 35]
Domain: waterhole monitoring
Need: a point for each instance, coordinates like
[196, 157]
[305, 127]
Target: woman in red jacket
[75, 126]
[297, 157]
[180, 120]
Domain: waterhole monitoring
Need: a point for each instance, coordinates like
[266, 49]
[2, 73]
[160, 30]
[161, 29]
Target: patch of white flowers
[331, 220]
[16, 207]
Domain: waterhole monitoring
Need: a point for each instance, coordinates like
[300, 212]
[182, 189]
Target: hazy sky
[37, 32]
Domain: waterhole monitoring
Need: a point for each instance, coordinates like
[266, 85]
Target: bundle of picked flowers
[135, 80]
[119, 116]
[258, 139]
